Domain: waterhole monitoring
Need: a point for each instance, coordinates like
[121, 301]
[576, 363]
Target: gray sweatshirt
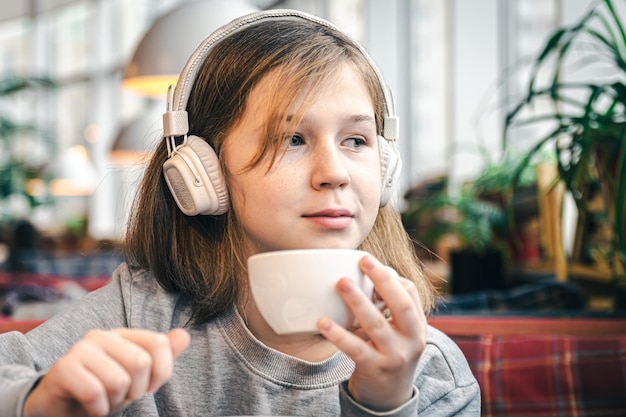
[225, 371]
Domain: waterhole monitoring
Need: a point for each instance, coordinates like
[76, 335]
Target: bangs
[289, 92]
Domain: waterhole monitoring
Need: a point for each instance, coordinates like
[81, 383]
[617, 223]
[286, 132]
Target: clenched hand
[105, 372]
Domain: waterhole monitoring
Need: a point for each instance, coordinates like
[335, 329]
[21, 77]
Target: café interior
[519, 225]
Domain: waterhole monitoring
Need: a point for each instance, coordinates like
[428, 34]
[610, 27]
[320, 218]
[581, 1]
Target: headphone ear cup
[390, 165]
[195, 179]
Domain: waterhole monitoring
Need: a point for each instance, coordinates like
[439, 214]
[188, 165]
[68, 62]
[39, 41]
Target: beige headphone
[192, 170]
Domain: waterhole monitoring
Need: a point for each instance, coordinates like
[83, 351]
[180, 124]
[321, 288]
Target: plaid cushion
[548, 375]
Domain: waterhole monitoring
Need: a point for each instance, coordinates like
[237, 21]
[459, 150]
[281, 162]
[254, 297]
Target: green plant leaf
[620, 197]
[582, 115]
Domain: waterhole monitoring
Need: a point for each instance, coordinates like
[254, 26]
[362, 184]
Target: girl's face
[324, 190]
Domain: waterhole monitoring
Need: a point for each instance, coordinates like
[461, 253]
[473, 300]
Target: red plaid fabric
[548, 376]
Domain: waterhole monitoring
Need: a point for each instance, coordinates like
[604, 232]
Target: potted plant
[462, 229]
[577, 92]
[15, 169]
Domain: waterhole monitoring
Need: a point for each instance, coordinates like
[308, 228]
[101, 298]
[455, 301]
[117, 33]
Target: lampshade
[137, 138]
[73, 173]
[166, 46]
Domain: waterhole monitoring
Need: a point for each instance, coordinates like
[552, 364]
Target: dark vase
[619, 297]
[476, 271]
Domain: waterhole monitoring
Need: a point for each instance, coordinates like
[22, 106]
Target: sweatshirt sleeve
[350, 408]
[24, 358]
[16, 381]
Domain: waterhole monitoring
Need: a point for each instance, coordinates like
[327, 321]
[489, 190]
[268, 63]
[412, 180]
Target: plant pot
[606, 162]
[473, 271]
[619, 295]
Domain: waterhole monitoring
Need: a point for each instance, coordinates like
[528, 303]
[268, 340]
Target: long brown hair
[202, 257]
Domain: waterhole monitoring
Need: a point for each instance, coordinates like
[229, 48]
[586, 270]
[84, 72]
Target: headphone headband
[177, 103]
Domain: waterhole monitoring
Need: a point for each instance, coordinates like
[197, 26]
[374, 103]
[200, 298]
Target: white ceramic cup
[293, 289]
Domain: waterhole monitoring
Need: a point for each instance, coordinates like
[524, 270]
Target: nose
[329, 169]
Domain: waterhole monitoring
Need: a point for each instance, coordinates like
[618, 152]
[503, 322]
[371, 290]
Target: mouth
[334, 219]
[330, 213]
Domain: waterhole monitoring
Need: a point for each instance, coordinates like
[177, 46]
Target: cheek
[371, 175]
[240, 197]
[253, 194]
[372, 206]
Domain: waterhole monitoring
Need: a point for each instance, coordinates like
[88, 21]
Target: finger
[90, 393]
[78, 384]
[411, 289]
[179, 341]
[112, 376]
[163, 349]
[134, 358]
[346, 341]
[401, 300]
[367, 313]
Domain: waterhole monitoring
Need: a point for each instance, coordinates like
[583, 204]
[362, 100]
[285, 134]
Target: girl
[279, 136]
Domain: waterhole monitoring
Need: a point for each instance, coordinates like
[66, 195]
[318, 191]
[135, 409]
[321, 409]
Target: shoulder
[147, 304]
[137, 284]
[443, 358]
[441, 349]
[444, 376]
[126, 275]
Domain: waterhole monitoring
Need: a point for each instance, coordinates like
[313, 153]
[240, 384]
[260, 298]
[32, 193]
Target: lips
[330, 213]
[334, 219]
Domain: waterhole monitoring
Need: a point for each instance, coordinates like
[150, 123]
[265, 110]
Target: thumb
[179, 341]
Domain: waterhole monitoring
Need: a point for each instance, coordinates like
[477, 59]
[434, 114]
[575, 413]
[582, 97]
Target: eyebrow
[355, 119]
[362, 118]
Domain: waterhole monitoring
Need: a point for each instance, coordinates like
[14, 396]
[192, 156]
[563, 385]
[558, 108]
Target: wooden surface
[475, 325]
[23, 326]
[469, 325]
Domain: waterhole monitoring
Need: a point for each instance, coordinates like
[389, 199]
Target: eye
[295, 140]
[355, 142]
